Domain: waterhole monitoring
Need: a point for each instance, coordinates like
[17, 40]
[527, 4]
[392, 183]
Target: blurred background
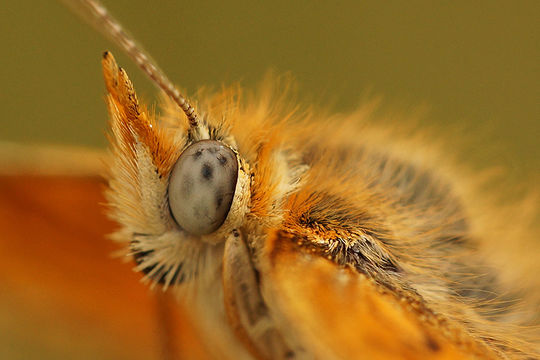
[473, 65]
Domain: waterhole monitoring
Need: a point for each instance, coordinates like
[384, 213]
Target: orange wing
[63, 296]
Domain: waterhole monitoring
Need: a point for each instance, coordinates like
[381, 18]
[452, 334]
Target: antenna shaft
[100, 17]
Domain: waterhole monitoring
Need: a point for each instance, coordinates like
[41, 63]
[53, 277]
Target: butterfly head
[177, 190]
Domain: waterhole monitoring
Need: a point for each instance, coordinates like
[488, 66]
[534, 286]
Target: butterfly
[290, 236]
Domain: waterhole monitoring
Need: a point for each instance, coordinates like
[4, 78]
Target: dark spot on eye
[198, 154]
[222, 159]
[207, 172]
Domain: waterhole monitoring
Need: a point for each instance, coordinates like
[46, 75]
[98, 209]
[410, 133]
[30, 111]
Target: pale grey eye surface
[201, 186]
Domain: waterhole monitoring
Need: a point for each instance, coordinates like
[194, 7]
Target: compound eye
[201, 186]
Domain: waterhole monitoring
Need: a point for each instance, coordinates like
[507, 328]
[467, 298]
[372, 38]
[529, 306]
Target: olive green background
[474, 64]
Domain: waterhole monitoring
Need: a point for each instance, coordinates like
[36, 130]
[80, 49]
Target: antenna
[94, 12]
